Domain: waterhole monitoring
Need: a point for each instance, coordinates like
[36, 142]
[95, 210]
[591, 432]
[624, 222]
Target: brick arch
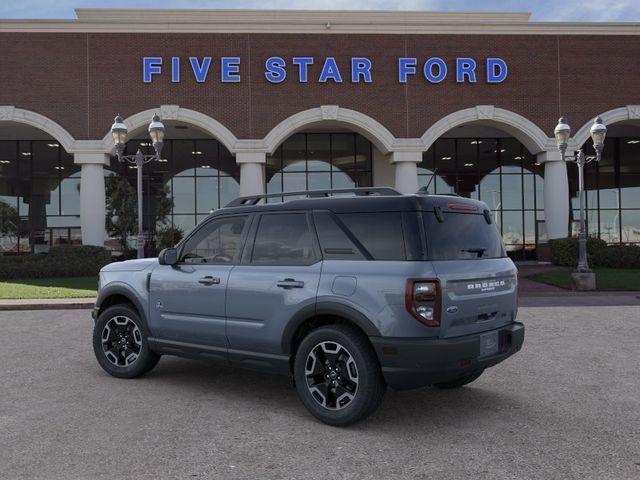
[9, 113]
[521, 128]
[373, 130]
[177, 113]
[616, 115]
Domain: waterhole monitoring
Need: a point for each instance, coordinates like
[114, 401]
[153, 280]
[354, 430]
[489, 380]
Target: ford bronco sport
[346, 294]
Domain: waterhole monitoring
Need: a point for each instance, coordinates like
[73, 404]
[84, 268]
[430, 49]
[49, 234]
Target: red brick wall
[82, 80]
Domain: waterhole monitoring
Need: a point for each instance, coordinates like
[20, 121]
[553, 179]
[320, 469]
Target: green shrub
[564, 252]
[619, 256]
[61, 261]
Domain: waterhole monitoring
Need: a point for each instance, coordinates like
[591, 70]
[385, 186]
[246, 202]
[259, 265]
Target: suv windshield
[461, 236]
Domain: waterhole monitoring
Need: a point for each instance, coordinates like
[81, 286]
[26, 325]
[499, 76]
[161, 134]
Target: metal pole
[583, 264]
[140, 239]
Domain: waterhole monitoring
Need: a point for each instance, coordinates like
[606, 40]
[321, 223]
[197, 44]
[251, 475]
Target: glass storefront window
[512, 191]
[319, 161]
[630, 222]
[630, 196]
[612, 189]
[193, 178]
[610, 226]
[39, 196]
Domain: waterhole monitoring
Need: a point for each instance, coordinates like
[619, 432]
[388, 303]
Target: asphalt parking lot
[567, 406]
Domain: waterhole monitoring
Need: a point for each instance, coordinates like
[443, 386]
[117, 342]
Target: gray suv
[346, 291]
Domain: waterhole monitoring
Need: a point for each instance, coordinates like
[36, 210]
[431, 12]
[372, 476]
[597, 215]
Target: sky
[542, 10]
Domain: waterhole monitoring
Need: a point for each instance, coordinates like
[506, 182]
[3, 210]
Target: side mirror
[168, 256]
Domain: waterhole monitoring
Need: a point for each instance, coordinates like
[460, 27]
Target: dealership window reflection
[320, 161]
[612, 190]
[195, 175]
[39, 196]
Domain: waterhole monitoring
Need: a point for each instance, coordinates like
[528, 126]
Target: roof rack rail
[359, 192]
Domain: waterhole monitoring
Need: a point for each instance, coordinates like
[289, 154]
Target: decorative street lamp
[598, 132]
[156, 132]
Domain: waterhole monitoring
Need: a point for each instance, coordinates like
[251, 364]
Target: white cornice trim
[36, 26]
[293, 16]
[300, 21]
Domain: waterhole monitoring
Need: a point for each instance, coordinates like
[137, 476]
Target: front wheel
[338, 376]
[120, 343]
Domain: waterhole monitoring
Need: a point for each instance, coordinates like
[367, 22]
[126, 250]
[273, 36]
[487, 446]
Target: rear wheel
[120, 343]
[337, 375]
[459, 382]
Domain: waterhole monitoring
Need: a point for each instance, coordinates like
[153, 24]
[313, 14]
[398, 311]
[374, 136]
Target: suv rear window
[462, 236]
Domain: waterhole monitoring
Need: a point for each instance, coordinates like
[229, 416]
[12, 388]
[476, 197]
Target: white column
[251, 172]
[92, 197]
[406, 165]
[556, 194]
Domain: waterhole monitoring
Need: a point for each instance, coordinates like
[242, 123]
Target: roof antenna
[425, 190]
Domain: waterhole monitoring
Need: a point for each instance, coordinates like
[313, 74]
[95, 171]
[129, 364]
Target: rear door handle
[290, 283]
[209, 280]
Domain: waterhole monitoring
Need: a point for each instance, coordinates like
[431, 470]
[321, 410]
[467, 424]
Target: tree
[122, 209]
[8, 220]
[168, 236]
[9, 223]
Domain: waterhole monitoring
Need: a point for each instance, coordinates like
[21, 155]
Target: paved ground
[567, 406]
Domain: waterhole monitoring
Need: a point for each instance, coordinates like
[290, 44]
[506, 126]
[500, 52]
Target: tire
[459, 382]
[120, 325]
[337, 375]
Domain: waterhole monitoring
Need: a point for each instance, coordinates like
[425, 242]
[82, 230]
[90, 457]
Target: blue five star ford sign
[305, 69]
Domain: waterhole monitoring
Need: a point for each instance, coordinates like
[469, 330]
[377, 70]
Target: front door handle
[290, 283]
[209, 280]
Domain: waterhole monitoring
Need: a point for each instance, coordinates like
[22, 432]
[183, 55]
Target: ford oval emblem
[452, 309]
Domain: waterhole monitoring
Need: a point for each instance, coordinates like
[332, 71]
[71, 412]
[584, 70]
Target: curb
[45, 304]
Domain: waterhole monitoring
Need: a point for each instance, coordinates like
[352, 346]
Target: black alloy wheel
[337, 375]
[120, 342]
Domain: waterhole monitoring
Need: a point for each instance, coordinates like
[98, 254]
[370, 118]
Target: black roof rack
[360, 192]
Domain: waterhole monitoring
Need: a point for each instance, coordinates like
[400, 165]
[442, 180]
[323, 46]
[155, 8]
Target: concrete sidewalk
[531, 294]
[527, 298]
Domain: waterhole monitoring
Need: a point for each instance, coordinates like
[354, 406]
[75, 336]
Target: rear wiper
[480, 251]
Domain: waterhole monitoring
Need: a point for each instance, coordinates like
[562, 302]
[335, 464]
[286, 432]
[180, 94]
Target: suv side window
[380, 233]
[334, 242]
[217, 242]
[284, 239]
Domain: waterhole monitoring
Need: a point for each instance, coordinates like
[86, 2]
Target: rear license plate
[489, 344]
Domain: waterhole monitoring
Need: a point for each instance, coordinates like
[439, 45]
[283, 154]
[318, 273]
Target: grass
[607, 279]
[71, 287]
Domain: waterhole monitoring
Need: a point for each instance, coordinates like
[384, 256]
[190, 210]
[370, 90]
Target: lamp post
[598, 132]
[119, 133]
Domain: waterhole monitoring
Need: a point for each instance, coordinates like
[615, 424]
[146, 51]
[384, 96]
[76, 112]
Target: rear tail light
[422, 298]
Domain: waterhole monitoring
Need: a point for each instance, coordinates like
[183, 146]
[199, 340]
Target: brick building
[277, 101]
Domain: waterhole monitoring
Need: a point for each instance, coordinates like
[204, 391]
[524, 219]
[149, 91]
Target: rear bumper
[413, 363]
